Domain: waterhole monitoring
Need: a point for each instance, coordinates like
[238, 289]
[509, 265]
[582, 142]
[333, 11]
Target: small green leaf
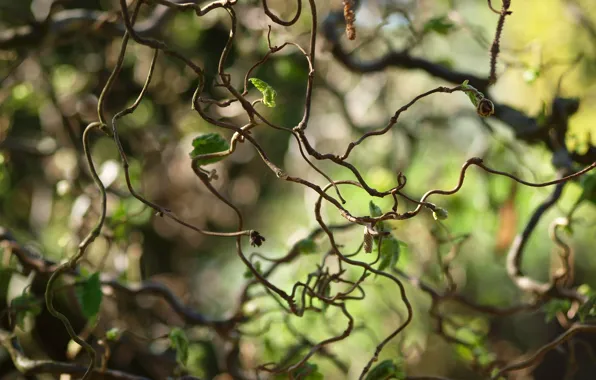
[179, 342]
[441, 25]
[113, 334]
[268, 92]
[208, 143]
[307, 246]
[375, 211]
[386, 369]
[89, 295]
[555, 306]
[390, 249]
[440, 213]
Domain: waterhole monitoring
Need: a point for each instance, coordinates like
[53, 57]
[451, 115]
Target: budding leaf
[179, 342]
[268, 92]
[208, 143]
[89, 295]
[113, 334]
[387, 369]
[440, 213]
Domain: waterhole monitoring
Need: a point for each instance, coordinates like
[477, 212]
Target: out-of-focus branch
[539, 354]
[190, 317]
[514, 257]
[69, 21]
[525, 127]
[30, 367]
[398, 59]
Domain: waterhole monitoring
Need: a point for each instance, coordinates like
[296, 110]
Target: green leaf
[441, 25]
[208, 143]
[89, 295]
[307, 246]
[386, 369]
[113, 334]
[179, 342]
[25, 304]
[375, 211]
[268, 92]
[474, 95]
[440, 213]
[307, 372]
[555, 306]
[390, 249]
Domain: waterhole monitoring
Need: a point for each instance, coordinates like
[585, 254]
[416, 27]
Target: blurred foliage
[47, 198]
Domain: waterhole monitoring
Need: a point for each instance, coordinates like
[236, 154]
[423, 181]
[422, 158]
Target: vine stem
[72, 262]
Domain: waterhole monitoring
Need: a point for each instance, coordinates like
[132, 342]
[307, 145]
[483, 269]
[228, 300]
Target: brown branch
[30, 367]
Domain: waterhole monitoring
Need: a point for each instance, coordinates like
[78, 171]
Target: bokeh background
[47, 200]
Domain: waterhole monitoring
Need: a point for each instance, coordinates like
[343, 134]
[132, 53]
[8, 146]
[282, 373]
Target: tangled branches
[341, 280]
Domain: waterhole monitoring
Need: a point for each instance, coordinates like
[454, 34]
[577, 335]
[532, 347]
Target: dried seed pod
[350, 17]
[368, 241]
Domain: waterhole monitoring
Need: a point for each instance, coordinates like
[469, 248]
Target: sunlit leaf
[269, 94]
[208, 143]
